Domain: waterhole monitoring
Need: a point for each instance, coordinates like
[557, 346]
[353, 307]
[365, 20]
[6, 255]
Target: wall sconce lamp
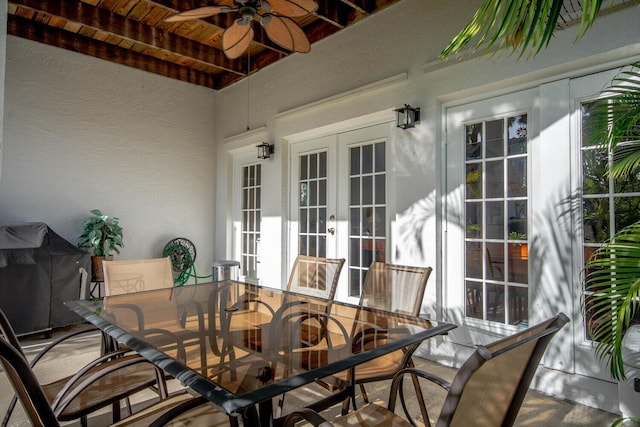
[265, 150]
[407, 117]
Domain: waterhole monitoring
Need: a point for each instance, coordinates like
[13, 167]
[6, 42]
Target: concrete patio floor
[538, 409]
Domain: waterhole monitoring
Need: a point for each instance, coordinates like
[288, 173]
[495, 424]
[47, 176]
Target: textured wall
[81, 133]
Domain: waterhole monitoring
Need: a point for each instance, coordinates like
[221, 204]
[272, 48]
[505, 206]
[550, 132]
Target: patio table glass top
[240, 345]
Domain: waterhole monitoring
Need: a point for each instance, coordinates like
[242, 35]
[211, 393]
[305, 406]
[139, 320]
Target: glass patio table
[240, 345]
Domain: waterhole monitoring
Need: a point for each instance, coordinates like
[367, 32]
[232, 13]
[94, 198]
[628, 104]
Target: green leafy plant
[102, 234]
[612, 273]
[517, 24]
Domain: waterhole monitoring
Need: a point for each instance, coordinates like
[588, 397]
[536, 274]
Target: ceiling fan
[274, 16]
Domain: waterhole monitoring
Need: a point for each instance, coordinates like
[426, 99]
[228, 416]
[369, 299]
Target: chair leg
[7, 415]
[364, 394]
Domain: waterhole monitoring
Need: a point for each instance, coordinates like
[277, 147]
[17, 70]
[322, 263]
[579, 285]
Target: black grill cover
[39, 271]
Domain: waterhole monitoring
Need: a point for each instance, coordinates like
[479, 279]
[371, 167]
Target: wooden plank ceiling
[133, 33]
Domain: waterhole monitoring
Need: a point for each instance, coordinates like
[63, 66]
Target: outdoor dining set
[238, 350]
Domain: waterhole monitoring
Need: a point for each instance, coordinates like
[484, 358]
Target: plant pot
[97, 273]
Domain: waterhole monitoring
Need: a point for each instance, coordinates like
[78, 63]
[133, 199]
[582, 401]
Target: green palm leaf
[517, 24]
[614, 122]
[612, 285]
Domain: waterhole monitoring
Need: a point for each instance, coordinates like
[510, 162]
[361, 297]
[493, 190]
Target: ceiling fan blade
[237, 38]
[285, 32]
[198, 13]
[293, 8]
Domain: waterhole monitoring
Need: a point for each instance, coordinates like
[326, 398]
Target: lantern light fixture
[407, 117]
[265, 150]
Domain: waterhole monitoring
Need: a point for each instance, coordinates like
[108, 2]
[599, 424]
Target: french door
[339, 203]
[487, 213]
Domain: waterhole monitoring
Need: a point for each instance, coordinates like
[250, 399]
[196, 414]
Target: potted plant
[102, 235]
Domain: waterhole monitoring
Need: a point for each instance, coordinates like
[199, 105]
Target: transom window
[496, 220]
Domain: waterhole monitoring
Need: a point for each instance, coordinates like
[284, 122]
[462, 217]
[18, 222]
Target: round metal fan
[274, 16]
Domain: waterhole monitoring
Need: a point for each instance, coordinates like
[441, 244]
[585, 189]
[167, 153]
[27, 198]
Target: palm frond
[614, 121]
[521, 25]
[612, 286]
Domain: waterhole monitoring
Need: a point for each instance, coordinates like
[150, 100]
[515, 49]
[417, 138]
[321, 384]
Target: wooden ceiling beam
[129, 29]
[24, 28]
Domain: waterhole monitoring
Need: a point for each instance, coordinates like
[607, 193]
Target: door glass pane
[367, 211]
[251, 216]
[312, 210]
[607, 205]
[496, 220]
[495, 139]
[473, 141]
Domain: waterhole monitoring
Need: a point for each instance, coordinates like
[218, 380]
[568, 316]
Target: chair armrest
[306, 414]
[422, 374]
[57, 341]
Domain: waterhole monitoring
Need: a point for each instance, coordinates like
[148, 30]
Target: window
[312, 235]
[496, 220]
[367, 211]
[251, 216]
[608, 205]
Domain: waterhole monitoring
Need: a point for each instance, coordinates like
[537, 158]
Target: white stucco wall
[82, 133]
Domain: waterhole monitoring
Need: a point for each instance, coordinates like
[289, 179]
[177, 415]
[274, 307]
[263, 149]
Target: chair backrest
[396, 288]
[122, 277]
[26, 386]
[315, 276]
[489, 388]
[22, 377]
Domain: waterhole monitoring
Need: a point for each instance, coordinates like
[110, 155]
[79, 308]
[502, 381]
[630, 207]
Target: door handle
[331, 230]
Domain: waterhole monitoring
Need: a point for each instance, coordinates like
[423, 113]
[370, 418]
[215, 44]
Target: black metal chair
[102, 382]
[487, 391]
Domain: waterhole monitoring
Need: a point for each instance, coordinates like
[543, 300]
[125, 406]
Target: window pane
[495, 303]
[380, 157]
[517, 177]
[594, 169]
[627, 211]
[495, 139]
[322, 158]
[304, 166]
[474, 260]
[495, 179]
[355, 191]
[474, 304]
[367, 190]
[313, 166]
[474, 141]
[474, 220]
[474, 181]
[380, 190]
[595, 219]
[495, 220]
[367, 159]
[355, 160]
[517, 134]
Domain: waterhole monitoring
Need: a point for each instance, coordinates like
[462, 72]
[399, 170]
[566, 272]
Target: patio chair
[487, 391]
[314, 276]
[396, 288]
[126, 277]
[178, 409]
[101, 383]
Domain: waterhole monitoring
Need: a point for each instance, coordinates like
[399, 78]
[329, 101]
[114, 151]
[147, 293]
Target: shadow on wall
[413, 232]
